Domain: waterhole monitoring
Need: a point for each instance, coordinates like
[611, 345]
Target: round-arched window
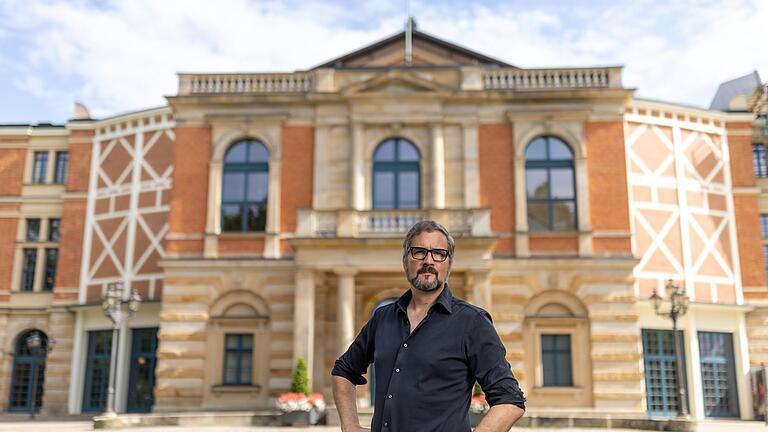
[550, 185]
[28, 377]
[396, 175]
[245, 186]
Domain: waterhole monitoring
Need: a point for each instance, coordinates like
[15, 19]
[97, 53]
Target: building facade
[260, 217]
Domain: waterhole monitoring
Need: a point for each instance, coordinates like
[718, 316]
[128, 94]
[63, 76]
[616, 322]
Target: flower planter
[475, 418]
[300, 418]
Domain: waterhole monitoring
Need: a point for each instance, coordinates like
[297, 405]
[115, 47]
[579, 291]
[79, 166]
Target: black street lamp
[112, 304]
[39, 352]
[678, 307]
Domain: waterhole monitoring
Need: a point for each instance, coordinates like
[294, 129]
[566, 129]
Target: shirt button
[386, 424]
[389, 396]
[397, 370]
[405, 345]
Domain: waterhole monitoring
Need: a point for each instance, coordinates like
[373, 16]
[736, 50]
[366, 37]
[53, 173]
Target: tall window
[60, 172]
[550, 185]
[759, 161]
[718, 374]
[39, 245]
[40, 169]
[28, 269]
[238, 355]
[97, 370]
[396, 175]
[54, 230]
[33, 230]
[51, 258]
[556, 360]
[244, 187]
[26, 390]
[660, 373]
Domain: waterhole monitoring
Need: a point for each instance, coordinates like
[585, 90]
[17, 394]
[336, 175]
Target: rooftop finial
[410, 26]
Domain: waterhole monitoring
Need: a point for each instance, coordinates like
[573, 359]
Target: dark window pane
[537, 150]
[33, 230]
[764, 226]
[385, 152]
[558, 150]
[51, 257]
[407, 151]
[233, 188]
[408, 190]
[383, 190]
[238, 354]
[245, 369]
[258, 184]
[54, 229]
[231, 218]
[759, 162]
[40, 167]
[246, 341]
[563, 216]
[233, 341]
[258, 152]
[536, 183]
[538, 216]
[257, 217]
[28, 269]
[236, 153]
[556, 360]
[562, 183]
[60, 175]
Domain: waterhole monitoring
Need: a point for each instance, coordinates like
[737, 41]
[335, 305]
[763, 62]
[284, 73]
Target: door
[142, 370]
[660, 374]
[97, 370]
[718, 374]
[26, 363]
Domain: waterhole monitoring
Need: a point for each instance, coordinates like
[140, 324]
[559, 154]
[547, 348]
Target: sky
[120, 56]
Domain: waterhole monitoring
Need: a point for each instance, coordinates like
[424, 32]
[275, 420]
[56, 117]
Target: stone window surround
[572, 133]
[269, 133]
[41, 246]
[29, 163]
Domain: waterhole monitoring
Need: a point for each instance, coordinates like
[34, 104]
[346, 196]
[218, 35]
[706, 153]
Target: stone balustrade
[190, 84]
[385, 223]
[543, 79]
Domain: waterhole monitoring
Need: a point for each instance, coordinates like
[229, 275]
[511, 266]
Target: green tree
[300, 383]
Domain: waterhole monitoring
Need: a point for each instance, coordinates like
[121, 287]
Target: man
[429, 349]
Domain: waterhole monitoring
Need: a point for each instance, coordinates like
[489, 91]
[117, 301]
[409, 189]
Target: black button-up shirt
[424, 379]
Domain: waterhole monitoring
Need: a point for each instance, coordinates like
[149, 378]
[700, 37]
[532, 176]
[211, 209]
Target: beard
[428, 286]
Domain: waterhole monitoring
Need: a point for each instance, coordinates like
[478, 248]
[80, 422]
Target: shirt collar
[445, 299]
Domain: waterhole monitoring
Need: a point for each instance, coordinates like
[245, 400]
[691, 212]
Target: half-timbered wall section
[128, 200]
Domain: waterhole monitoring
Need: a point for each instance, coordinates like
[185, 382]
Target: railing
[384, 223]
[537, 79]
[244, 83]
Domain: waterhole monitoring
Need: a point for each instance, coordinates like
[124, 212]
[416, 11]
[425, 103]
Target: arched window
[396, 175]
[550, 185]
[244, 187]
[28, 362]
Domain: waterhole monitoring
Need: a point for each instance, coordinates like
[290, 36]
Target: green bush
[300, 383]
[478, 390]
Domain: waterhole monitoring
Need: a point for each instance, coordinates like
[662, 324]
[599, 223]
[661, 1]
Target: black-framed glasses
[420, 253]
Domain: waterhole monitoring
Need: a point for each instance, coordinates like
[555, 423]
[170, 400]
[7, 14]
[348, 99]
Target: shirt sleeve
[355, 361]
[489, 366]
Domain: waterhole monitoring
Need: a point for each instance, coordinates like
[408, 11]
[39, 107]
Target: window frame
[548, 165]
[245, 168]
[396, 167]
[240, 353]
[40, 167]
[61, 164]
[759, 160]
[27, 277]
[556, 352]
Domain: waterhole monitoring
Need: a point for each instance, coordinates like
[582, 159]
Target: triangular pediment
[394, 83]
[427, 50]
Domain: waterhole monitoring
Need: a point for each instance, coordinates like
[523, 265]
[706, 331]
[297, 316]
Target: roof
[744, 86]
[463, 56]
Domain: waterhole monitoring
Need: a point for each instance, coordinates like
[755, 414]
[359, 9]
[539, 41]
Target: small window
[51, 257]
[33, 230]
[28, 269]
[40, 168]
[759, 161]
[556, 360]
[550, 185]
[238, 358]
[60, 173]
[54, 230]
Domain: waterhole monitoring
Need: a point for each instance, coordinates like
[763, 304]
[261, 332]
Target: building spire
[410, 26]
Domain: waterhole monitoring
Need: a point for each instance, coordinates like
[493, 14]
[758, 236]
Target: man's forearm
[346, 404]
[500, 418]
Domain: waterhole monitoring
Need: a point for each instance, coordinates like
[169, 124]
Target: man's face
[427, 274]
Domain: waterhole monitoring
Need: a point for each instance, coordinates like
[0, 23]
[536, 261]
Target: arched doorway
[27, 362]
[372, 374]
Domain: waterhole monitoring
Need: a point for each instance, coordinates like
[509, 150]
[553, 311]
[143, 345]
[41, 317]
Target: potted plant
[301, 406]
[477, 406]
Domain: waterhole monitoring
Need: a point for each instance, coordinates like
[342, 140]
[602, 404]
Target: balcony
[389, 223]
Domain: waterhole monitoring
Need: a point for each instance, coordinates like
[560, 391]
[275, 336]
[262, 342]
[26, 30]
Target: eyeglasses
[438, 255]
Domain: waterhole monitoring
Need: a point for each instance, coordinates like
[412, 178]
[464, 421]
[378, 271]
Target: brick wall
[296, 175]
[497, 181]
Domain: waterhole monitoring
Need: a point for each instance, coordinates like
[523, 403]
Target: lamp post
[35, 344]
[112, 304]
[678, 307]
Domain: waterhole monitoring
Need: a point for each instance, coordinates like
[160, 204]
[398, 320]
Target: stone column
[272, 241]
[345, 317]
[481, 289]
[438, 167]
[471, 167]
[304, 318]
[356, 169]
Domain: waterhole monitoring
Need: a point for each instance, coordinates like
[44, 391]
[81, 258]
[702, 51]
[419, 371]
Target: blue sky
[118, 56]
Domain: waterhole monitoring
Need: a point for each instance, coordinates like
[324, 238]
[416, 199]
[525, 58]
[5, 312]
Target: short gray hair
[428, 226]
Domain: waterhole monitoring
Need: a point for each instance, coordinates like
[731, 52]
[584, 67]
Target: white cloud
[124, 55]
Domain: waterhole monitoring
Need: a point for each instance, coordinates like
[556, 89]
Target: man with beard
[429, 349]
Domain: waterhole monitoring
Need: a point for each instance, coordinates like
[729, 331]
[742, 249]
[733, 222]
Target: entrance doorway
[142, 370]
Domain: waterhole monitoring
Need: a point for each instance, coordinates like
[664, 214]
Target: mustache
[427, 270]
